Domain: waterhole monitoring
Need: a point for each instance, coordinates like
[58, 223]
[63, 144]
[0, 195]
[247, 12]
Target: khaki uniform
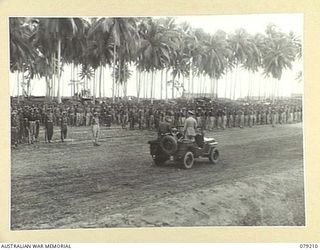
[190, 127]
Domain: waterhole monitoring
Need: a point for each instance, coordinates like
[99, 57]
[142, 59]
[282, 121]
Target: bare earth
[259, 181]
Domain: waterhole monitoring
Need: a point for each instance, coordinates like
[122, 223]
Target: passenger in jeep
[165, 126]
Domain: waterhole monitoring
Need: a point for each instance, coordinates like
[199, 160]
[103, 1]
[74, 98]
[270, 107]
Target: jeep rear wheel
[159, 160]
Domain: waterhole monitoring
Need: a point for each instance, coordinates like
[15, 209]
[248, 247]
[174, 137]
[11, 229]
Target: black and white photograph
[156, 121]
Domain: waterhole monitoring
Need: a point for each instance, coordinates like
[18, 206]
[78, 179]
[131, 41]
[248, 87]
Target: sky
[253, 23]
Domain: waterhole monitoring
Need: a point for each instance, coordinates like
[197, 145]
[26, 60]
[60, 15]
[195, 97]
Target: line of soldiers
[26, 120]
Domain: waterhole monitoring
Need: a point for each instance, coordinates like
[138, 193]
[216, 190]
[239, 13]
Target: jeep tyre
[159, 160]
[169, 144]
[188, 160]
[214, 155]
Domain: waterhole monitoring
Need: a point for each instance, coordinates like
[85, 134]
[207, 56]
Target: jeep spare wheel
[169, 144]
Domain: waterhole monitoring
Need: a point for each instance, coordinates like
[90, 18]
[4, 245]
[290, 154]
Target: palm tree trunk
[94, 86]
[119, 86]
[87, 84]
[265, 89]
[47, 86]
[248, 89]
[204, 85]
[59, 77]
[189, 85]
[230, 87]
[192, 85]
[161, 84]
[166, 85]
[146, 82]
[240, 86]
[114, 73]
[173, 78]
[235, 82]
[151, 91]
[18, 83]
[200, 84]
[183, 86]
[190, 80]
[71, 79]
[260, 83]
[77, 79]
[53, 91]
[211, 87]
[103, 83]
[74, 78]
[100, 79]
[225, 86]
[28, 87]
[217, 88]
[119, 80]
[143, 84]
[137, 82]
[23, 82]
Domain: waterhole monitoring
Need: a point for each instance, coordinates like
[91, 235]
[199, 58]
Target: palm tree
[253, 60]
[56, 31]
[280, 52]
[100, 42]
[154, 49]
[191, 44]
[216, 58]
[240, 45]
[199, 55]
[123, 74]
[22, 54]
[124, 37]
[173, 39]
[86, 74]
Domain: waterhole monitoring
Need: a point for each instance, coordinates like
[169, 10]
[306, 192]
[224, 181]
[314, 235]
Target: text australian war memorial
[88, 94]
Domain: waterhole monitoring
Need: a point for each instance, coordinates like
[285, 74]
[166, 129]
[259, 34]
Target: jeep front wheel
[188, 160]
[214, 155]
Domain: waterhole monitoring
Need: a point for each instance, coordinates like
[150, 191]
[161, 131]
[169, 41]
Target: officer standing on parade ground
[95, 129]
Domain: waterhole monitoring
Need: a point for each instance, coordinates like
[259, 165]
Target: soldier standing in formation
[64, 126]
[48, 126]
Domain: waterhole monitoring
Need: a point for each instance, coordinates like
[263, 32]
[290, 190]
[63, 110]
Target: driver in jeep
[165, 126]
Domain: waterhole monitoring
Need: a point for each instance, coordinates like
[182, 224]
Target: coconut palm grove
[154, 122]
[188, 61]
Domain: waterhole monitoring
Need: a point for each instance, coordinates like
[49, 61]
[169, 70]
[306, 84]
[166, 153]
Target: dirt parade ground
[259, 181]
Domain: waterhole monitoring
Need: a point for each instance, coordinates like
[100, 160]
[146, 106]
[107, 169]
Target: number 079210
[308, 246]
